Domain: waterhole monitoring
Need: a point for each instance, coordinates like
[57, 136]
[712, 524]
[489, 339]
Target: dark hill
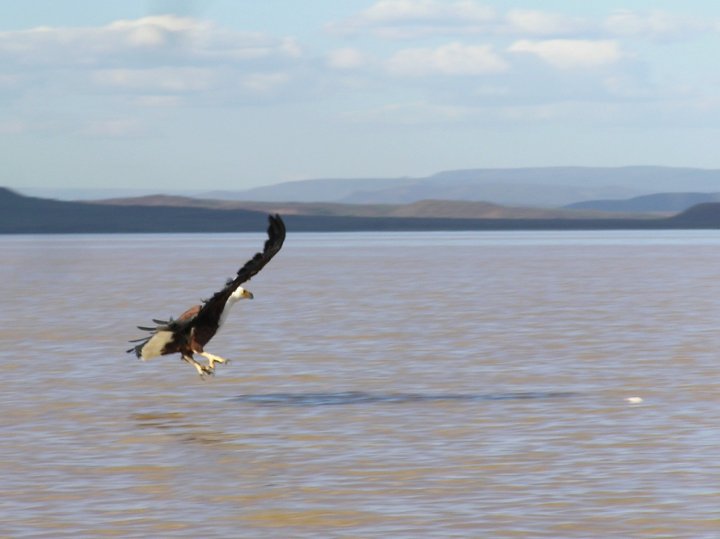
[656, 203]
[705, 215]
[30, 215]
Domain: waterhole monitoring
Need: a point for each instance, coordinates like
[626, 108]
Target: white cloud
[264, 83]
[162, 79]
[346, 58]
[170, 23]
[426, 10]
[172, 63]
[402, 19]
[655, 24]
[160, 61]
[572, 53]
[290, 47]
[166, 39]
[417, 19]
[156, 31]
[540, 23]
[451, 59]
[162, 87]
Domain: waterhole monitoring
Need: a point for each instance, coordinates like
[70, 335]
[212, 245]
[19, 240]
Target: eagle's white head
[240, 293]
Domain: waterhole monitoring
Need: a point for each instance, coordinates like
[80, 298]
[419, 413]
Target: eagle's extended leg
[199, 367]
[212, 359]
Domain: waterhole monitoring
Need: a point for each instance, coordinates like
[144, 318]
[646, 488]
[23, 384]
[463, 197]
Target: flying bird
[193, 329]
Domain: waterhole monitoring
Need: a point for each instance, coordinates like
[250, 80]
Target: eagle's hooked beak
[247, 294]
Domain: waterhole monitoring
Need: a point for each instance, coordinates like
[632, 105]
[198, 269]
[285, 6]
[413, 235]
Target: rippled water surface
[381, 385]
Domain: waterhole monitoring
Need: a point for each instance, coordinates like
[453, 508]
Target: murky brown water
[399, 385]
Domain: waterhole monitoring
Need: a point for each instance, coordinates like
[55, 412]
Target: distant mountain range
[537, 187]
[546, 187]
[23, 215]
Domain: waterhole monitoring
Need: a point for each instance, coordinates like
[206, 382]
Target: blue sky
[221, 94]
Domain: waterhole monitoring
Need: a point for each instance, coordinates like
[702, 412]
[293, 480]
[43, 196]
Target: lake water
[382, 385]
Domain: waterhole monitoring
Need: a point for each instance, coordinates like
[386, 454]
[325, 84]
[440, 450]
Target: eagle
[193, 329]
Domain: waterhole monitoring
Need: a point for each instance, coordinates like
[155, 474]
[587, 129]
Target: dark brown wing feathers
[213, 307]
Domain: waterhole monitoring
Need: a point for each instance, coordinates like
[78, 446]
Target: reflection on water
[183, 427]
[400, 385]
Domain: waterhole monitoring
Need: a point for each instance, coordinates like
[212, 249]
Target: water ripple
[343, 398]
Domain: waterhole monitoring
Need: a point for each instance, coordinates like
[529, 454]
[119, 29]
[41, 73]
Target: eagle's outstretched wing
[212, 308]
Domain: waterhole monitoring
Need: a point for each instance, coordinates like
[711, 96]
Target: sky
[230, 94]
